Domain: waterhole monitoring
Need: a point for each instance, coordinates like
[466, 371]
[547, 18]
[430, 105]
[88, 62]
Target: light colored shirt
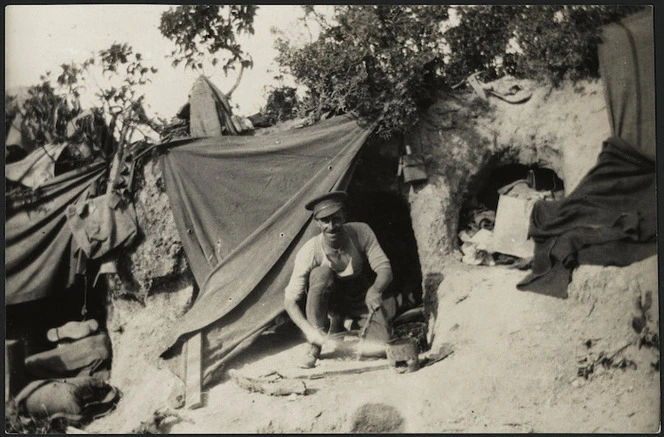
[361, 245]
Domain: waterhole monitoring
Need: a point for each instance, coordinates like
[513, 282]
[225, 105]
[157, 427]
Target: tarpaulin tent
[38, 242]
[238, 204]
[58, 230]
[610, 218]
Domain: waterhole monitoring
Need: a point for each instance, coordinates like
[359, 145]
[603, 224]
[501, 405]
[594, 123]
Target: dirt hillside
[522, 362]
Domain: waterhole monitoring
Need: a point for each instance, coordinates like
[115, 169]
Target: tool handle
[363, 331]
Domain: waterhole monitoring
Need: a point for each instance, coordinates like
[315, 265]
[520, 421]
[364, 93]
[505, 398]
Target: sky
[39, 38]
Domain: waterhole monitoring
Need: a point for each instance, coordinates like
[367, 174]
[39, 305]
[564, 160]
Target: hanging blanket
[238, 203]
[609, 219]
[627, 67]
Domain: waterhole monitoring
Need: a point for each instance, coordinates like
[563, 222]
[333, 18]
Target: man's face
[331, 225]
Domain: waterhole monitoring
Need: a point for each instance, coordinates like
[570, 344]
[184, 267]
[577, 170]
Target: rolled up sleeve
[375, 255]
[299, 280]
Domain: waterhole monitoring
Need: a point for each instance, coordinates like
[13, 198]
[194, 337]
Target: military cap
[327, 204]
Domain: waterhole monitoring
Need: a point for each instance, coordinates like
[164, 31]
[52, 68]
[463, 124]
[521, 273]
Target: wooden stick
[193, 372]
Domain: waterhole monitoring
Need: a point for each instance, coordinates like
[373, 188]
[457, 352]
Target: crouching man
[341, 274]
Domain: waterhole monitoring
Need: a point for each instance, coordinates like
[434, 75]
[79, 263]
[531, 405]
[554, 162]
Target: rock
[377, 418]
[152, 290]
[158, 259]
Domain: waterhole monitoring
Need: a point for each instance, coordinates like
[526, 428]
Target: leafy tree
[122, 102]
[544, 42]
[201, 32]
[51, 111]
[394, 59]
[46, 113]
[282, 104]
[560, 42]
[478, 41]
[371, 60]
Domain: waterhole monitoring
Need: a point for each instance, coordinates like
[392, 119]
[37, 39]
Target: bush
[548, 43]
[282, 104]
[393, 60]
[372, 60]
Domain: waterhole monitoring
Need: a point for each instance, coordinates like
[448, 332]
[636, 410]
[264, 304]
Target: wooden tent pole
[193, 372]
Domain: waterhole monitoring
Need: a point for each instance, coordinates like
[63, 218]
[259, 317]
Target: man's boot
[308, 361]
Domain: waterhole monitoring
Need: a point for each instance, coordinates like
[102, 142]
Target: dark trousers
[341, 298]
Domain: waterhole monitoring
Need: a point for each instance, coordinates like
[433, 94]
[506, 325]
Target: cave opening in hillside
[375, 197]
[494, 218]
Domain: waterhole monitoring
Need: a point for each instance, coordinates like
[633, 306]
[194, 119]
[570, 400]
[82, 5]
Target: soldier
[341, 273]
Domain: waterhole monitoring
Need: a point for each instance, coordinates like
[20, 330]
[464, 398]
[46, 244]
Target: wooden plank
[475, 84]
[510, 232]
[193, 372]
[14, 368]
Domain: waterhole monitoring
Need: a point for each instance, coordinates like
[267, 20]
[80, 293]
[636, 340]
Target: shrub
[393, 60]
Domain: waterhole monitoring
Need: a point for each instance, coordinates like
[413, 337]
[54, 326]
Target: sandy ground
[514, 369]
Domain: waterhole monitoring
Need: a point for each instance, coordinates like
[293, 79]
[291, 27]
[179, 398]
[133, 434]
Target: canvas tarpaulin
[38, 240]
[610, 218]
[238, 203]
[37, 167]
[210, 112]
[627, 67]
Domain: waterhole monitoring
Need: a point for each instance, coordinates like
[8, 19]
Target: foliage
[123, 101]
[544, 42]
[51, 111]
[394, 59]
[201, 31]
[371, 60]
[282, 104]
[46, 113]
[481, 36]
[16, 424]
[561, 41]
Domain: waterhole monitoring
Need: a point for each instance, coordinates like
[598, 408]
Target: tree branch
[237, 82]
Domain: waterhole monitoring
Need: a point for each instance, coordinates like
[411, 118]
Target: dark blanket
[609, 219]
[238, 203]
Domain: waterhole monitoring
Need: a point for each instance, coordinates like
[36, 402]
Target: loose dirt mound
[376, 418]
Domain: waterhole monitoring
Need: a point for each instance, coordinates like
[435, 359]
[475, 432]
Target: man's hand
[373, 300]
[314, 336]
